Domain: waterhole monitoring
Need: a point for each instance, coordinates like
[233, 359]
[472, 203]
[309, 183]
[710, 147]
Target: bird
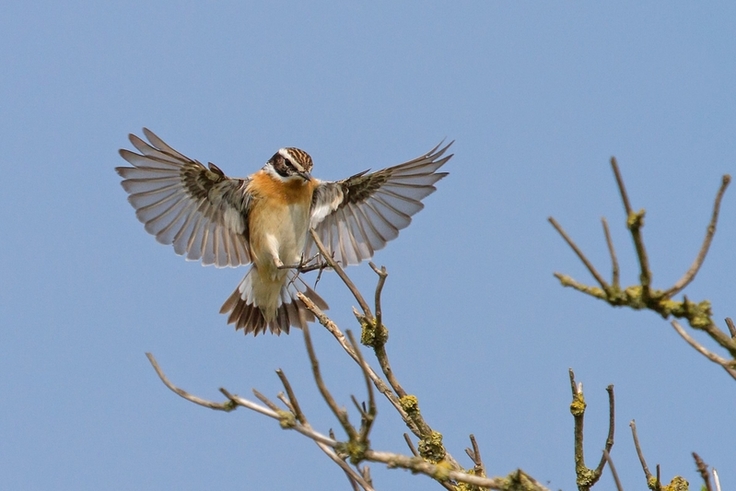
[264, 219]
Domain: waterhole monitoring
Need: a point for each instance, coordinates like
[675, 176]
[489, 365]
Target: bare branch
[716, 479]
[441, 473]
[579, 253]
[710, 232]
[379, 383]
[220, 406]
[727, 365]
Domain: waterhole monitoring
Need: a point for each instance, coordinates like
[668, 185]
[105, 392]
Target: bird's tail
[259, 303]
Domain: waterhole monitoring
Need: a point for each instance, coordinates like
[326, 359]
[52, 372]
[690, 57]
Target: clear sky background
[537, 97]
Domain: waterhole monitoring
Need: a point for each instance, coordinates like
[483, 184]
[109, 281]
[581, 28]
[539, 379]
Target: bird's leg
[304, 266]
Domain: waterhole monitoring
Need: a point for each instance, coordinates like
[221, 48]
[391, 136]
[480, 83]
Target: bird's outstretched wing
[199, 210]
[357, 216]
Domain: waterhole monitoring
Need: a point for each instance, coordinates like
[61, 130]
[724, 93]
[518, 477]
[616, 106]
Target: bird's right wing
[199, 210]
[357, 216]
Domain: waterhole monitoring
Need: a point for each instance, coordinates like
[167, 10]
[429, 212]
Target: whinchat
[264, 219]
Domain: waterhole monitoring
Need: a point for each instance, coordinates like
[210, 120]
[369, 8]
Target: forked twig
[474, 454]
[586, 478]
[643, 296]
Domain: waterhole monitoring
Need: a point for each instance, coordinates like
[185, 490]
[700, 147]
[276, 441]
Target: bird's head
[289, 163]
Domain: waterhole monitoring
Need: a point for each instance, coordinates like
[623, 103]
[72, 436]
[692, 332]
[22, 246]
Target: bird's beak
[305, 175]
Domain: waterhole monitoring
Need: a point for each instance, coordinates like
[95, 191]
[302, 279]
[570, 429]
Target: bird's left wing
[199, 210]
[357, 216]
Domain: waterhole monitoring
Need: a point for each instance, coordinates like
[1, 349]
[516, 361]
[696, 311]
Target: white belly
[279, 236]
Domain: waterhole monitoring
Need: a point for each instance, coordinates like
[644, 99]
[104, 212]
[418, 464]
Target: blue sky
[537, 97]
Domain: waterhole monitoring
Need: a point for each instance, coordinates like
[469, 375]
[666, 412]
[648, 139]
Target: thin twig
[340, 413]
[716, 479]
[612, 252]
[731, 327]
[292, 397]
[643, 462]
[710, 232]
[383, 361]
[379, 348]
[474, 454]
[607, 457]
[727, 365]
[417, 422]
[265, 400]
[368, 416]
[220, 406]
[621, 187]
[378, 382]
[411, 446]
[579, 253]
[341, 273]
[611, 430]
[327, 444]
[354, 478]
[382, 274]
[703, 470]
[352, 475]
[304, 430]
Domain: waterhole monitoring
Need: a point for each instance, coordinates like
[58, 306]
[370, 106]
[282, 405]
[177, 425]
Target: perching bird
[264, 219]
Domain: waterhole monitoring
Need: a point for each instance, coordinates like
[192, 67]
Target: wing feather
[357, 216]
[199, 210]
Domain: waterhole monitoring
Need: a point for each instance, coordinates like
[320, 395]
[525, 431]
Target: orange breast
[278, 192]
[279, 219]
